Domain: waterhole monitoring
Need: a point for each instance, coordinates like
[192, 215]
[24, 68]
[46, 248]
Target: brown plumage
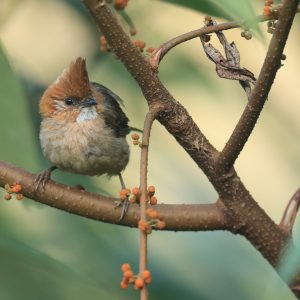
[83, 127]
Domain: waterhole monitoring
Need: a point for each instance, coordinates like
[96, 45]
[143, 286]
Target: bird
[83, 127]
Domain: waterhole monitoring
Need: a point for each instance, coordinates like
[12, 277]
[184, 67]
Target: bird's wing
[113, 115]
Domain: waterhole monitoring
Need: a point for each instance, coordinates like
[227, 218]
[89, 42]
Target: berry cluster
[137, 280]
[246, 34]
[140, 44]
[135, 139]
[154, 221]
[135, 195]
[15, 188]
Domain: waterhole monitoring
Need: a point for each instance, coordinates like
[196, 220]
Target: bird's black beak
[89, 102]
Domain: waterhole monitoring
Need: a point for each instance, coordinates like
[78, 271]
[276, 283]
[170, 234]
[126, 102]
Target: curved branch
[98, 207]
[162, 50]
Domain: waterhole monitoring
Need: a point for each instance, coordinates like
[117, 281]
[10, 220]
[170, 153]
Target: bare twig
[290, 213]
[150, 117]
[162, 50]
[228, 67]
[262, 87]
[192, 217]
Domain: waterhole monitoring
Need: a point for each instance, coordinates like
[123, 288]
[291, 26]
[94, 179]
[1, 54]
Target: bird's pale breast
[88, 147]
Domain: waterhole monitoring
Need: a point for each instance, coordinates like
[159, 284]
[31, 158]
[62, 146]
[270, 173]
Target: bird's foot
[124, 202]
[42, 178]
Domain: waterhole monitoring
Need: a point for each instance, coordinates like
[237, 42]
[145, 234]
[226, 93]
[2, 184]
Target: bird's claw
[125, 205]
[41, 179]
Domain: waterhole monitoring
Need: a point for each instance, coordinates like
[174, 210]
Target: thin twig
[162, 50]
[150, 117]
[262, 87]
[290, 213]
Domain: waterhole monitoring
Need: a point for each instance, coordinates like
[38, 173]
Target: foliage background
[49, 254]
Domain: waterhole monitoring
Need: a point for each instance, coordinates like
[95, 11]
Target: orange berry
[123, 197]
[151, 213]
[7, 196]
[16, 188]
[128, 274]
[139, 283]
[135, 191]
[153, 200]
[124, 285]
[266, 11]
[125, 267]
[142, 225]
[135, 136]
[140, 44]
[19, 196]
[148, 280]
[161, 225]
[121, 4]
[150, 49]
[151, 189]
[146, 274]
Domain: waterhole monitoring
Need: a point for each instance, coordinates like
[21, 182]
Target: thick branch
[262, 87]
[98, 207]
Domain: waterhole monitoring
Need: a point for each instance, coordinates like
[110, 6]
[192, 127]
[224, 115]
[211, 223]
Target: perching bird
[83, 128]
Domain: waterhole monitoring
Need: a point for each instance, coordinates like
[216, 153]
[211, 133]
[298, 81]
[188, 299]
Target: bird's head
[71, 97]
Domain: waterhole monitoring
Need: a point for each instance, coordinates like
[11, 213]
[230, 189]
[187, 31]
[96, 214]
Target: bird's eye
[69, 101]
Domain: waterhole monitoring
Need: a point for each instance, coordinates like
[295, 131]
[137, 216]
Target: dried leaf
[228, 67]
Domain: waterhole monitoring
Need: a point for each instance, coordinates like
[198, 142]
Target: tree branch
[249, 217]
[150, 117]
[262, 87]
[98, 207]
[290, 213]
[162, 50]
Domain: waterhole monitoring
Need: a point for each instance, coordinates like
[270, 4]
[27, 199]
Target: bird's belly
[85, 150]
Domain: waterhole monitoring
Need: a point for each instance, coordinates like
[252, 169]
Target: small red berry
[16, 188]
[139, 283]
[19, 196]
[125, 267]
[135, 136]
[153, 200]
[128, 274]
[150, 49]
[151, 189]
[146, 274]
[124, 285]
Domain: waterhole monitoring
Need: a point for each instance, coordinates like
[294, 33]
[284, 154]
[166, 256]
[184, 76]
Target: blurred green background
[49, 254]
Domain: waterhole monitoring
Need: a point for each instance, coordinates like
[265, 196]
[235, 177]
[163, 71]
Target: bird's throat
[87, 114]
